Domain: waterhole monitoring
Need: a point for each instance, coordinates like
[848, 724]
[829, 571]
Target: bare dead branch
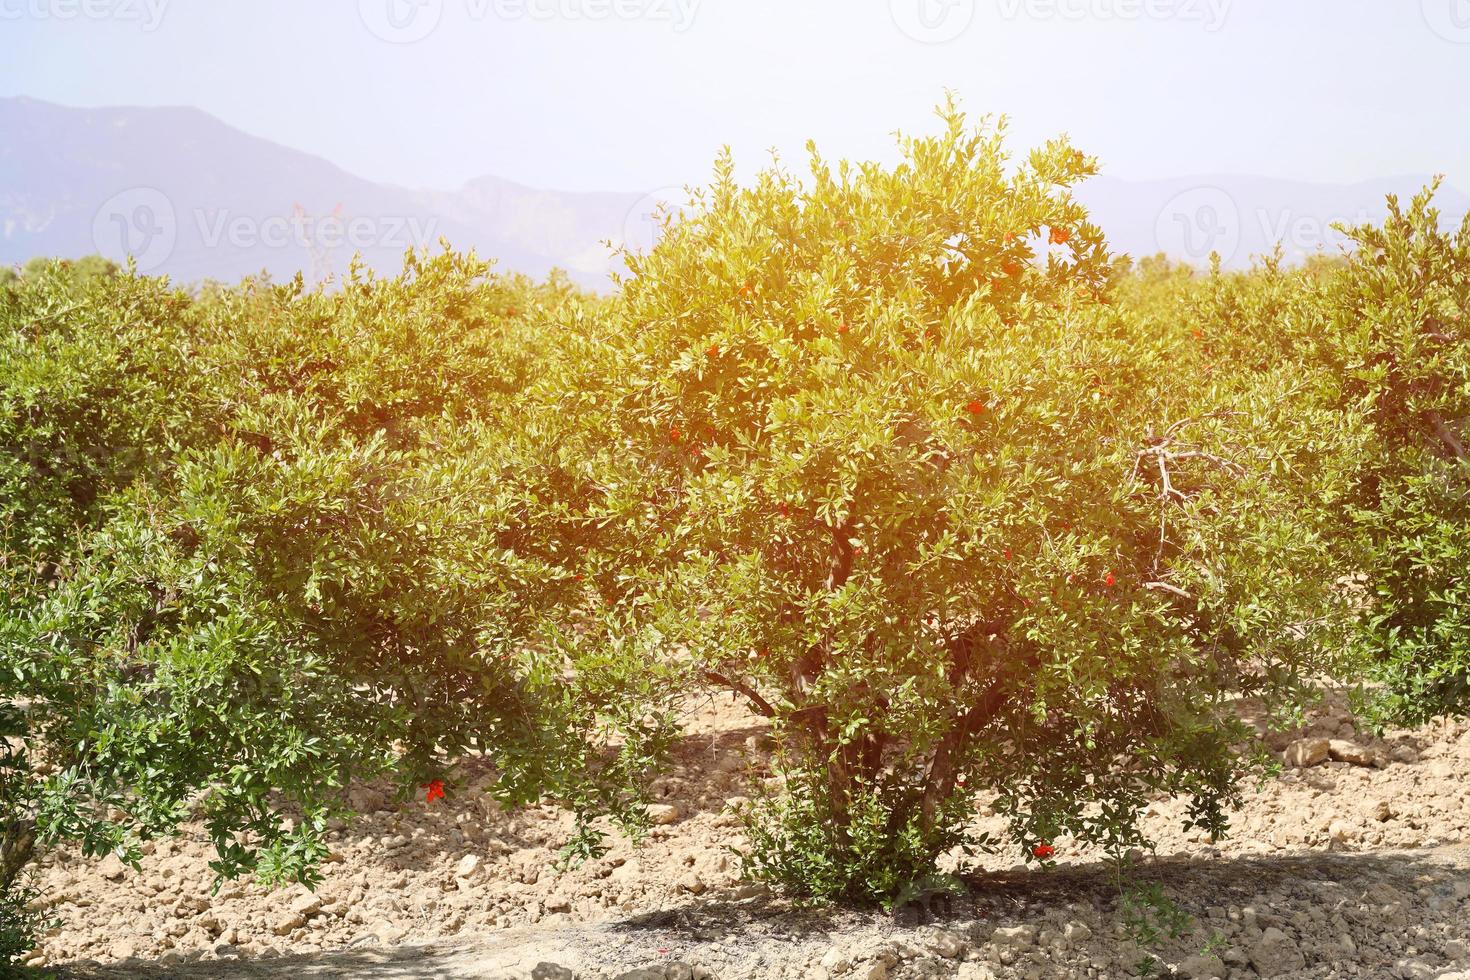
[1220, 461]
[1174, 428]
[1166, 587]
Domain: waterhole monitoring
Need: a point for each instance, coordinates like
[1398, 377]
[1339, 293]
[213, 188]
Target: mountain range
[192, 197]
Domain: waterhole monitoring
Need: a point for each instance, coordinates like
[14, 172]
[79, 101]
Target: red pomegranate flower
[675, 435]
[745, 289]
[842, 327]
[1043, 851]
[434, 790]
[714, 350]
[1008, 554]
[1060, 236]
[1011, 268]
[975, 407]
[1109, 581]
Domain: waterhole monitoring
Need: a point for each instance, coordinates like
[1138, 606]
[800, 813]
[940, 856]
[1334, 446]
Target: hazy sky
[639, 94]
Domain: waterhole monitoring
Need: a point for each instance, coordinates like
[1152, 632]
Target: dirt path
[1383, 914]
[1347, 865]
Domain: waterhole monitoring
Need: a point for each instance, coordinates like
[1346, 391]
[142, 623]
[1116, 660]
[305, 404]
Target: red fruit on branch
[842, 327]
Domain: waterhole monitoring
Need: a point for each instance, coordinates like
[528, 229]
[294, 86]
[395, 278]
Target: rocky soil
[1349, 864]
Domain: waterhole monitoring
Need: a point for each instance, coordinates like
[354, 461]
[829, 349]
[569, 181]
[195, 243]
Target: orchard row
[903, 458]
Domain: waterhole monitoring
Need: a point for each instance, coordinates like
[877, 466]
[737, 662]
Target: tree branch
[1447, 436]
[757, 702]
[941, 781]
[1166, 587]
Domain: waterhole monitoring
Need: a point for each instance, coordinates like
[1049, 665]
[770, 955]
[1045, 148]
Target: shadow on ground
[763, 937]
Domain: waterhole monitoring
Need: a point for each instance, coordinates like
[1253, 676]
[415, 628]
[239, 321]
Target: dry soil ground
[1348, 865]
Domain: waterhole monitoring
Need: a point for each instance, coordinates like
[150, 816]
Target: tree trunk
[17, 847]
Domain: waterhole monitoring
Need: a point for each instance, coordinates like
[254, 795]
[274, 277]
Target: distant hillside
[195, 198]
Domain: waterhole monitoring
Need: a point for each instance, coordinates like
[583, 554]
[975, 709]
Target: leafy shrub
[1396, 338]
[950, 521]
[902, 457]
[1377, 339]
[96, 390]
[312, 538]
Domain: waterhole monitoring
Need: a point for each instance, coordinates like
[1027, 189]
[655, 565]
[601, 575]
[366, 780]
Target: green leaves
[991, 514]
[899, 455]
[1397, 339]
[312, 539]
